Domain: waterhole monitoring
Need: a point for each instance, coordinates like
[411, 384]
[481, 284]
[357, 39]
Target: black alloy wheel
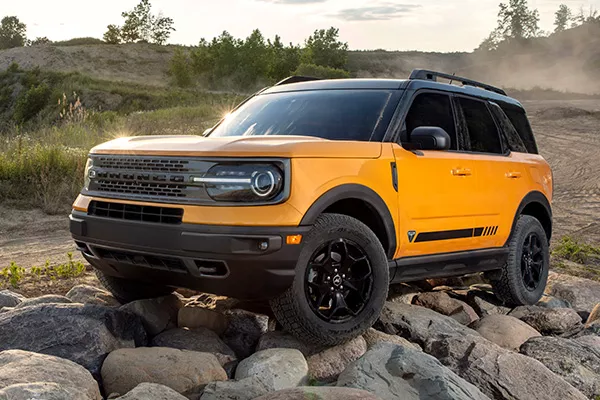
[532, 262]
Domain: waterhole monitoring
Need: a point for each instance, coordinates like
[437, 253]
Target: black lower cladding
[242, 262]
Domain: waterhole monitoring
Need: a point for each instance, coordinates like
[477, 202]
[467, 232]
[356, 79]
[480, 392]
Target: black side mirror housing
[429, 138]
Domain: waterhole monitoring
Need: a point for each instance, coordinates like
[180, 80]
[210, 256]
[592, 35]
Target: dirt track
[567, 132]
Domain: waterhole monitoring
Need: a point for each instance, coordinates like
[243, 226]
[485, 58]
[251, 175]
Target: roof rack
[296, 79]
[423, 74]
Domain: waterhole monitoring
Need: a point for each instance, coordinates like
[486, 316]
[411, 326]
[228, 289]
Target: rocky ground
[450, 342]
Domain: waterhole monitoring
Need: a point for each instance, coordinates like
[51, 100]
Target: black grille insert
[143, 164]
[143, 188]
[130, 212]
[142, 260]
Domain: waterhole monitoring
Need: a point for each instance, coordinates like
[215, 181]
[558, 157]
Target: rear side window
[512, 139]
[481, 128]
[519, 120]
[431, 109]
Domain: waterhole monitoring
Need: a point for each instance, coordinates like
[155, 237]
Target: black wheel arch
[535, 204]
[378, 217]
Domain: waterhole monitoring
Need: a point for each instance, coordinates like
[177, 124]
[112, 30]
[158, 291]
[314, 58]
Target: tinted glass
[512, 140]
[431, 109]
[482, 131]
[331, 114]
[519, 120]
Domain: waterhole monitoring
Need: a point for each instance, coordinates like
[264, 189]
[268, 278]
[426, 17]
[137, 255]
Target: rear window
[519, 120]
[361, 115]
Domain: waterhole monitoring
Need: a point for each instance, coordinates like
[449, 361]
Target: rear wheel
[126, 290]
[341, 283]
[522, 280]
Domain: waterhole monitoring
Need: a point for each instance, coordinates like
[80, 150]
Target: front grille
[142, 260]
[142, 188]
[130, 212]
[143, 164]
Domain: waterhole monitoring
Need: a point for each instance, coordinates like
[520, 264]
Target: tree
[324, 48]
[161, 29]
[12, 33]
[283, 60]
[141, 25]
[516, 21]
[40, 41]
[112, 35]
[562, 18]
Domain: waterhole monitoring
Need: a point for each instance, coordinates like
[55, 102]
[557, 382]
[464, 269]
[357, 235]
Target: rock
[19, 369]
[319, 393]
[184, 371]
[505, 331]
[158, 314]
[485, 303]
[198, 317]
[200, 339]
[576, 362]
[10, 299]
[402, 293]
[589, 340]
[283, 340]
[328, 364]
[92, 295]
[552, 302]
[442, 303]
[244, 331]
[152, 391]
[81, 333]
[400, 372]
[418, 324]
[374, 337]
[244, 389]
[548, 321]
[277, 368]
[594, 316]
[582, 294]
[47, 299]
[499, 373]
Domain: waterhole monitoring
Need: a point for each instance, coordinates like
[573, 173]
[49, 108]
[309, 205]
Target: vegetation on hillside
[141, 25]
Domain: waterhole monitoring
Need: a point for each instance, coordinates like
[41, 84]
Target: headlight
[86, 175]
[242, 182]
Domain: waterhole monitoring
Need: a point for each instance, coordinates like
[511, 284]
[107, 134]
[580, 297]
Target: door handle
[461, 172]
[513, 175]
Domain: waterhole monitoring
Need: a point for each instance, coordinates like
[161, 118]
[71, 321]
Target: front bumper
[223, 260]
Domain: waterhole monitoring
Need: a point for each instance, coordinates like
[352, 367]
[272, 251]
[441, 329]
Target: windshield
[330, 114]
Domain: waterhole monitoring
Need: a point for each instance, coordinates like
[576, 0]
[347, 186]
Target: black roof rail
[296, 79]
[423, 74]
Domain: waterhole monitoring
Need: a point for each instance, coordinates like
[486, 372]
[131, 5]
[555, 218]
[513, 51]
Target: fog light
[263, 246]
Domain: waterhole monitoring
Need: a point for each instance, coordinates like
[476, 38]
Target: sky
[425, 25]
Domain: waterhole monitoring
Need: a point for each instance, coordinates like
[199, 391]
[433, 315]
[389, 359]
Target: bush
[13, 68]
[79, 42]
[180, 69]
[318, 71]
[573, 250]
[31, 102]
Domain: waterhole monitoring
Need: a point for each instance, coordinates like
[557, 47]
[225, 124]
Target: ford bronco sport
[317, 194]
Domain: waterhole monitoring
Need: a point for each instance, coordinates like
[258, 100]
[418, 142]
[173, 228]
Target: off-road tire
[509, 285]
[126, 290]
[292, 308]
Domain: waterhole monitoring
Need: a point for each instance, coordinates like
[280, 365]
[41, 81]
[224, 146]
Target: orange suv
[317, 194]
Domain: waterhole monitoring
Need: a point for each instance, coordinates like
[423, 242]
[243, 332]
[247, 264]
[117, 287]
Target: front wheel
[340, 286]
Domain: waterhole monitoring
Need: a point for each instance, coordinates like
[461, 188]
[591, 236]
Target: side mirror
[430, 138]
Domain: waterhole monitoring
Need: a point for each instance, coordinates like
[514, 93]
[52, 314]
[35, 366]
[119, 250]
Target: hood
[240, 146]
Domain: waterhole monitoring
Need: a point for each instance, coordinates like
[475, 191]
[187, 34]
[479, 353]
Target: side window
[481, 128]
[430, 109]
[519, 120]
[512, 138]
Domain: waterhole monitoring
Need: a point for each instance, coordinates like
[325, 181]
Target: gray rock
[589, 340]
[399, 372]
[158, 314]
[283, 340]
[152, 391]
[193, 317]
[485, 303]
[499, 373]
[52, 375]
[576, 362]
[374, 337]
[81, 333]
[277, 368]
[548, 321]
[328, 364]
[92, 295]
[10, 299]
[244, 331]
[552, 302]
[201, 339]
[47, 299]
[244, 389]
[402, 293]
[506, 331]
[582, 294]
[186, 372]
[319, 393]
[442, 303]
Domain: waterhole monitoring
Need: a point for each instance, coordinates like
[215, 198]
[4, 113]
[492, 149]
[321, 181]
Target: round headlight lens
[263, 183]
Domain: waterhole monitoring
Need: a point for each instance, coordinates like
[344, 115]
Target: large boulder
[319, 393]
[152, 391]
[81, 333]
[548, 321]
[244, 331]
[49, 375]
[442, 303]
[373, 337]
[186, 372]
[92, 295]
[399, 372]
[582, 294]
[485, 303]
[328, 364]
[198, 317]
[505, 331]
[158, 314]
[243, 389]
[277, 368]
[576, 362]
[402, 293]
[548, 301]
[499, 373]
[10, 299]
[283, 340]
[47, 299]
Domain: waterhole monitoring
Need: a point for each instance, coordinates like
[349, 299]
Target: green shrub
[13, 68]
[31, 102]
[573, 250]
[79, 42]
[180, 69]
[319, 71]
